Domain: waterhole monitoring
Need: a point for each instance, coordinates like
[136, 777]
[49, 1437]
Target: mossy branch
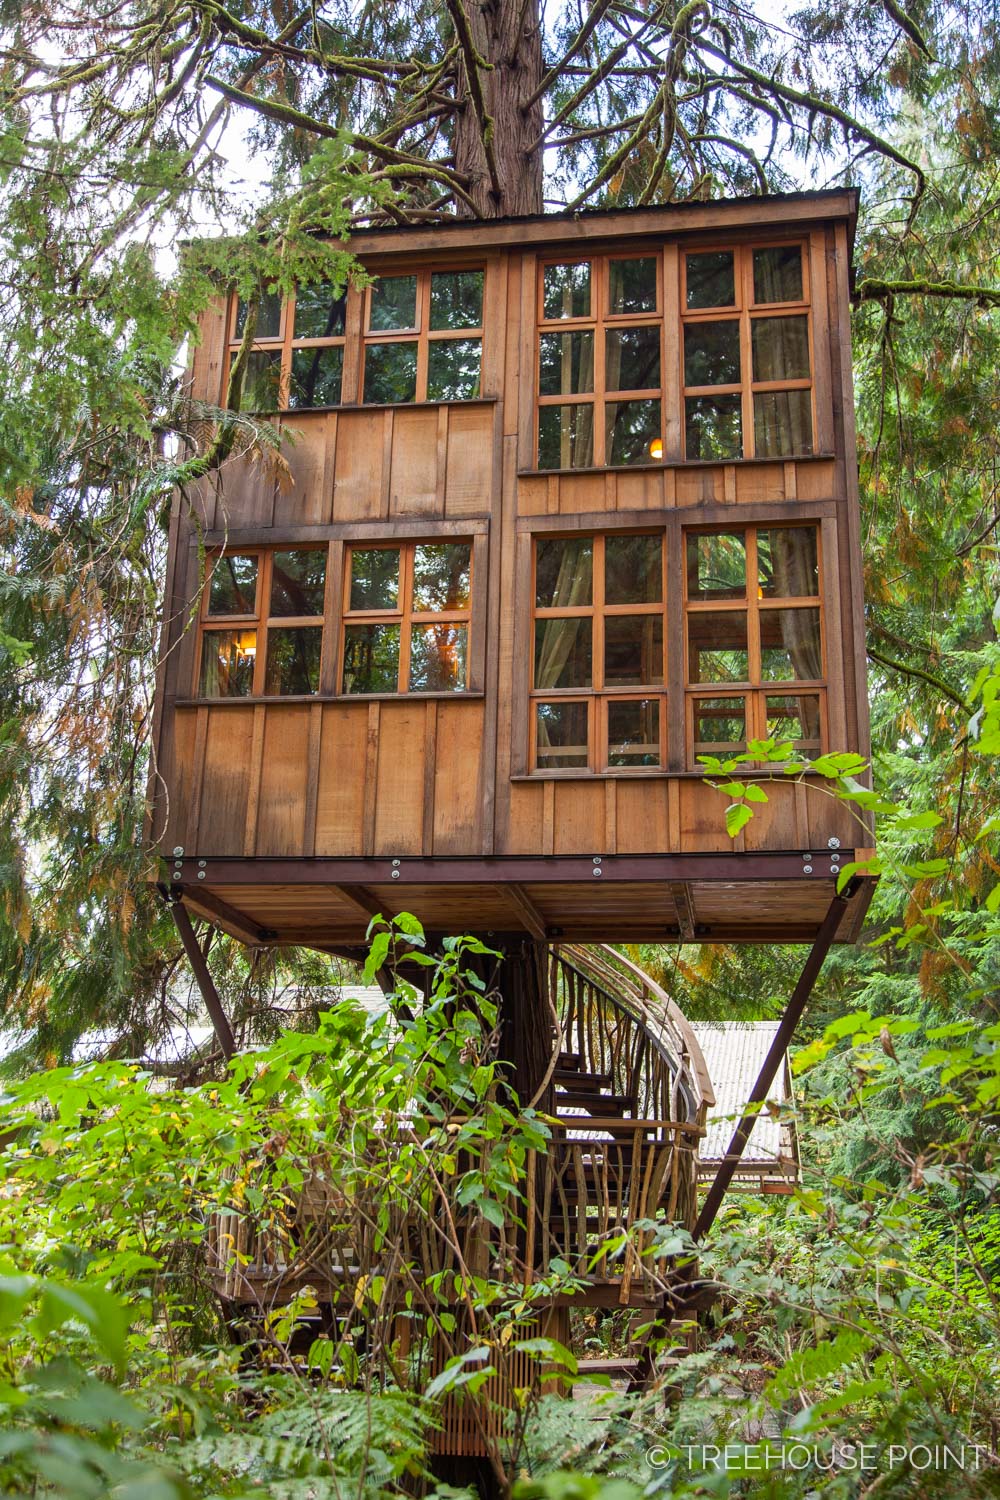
[924, 676]
[875, 289]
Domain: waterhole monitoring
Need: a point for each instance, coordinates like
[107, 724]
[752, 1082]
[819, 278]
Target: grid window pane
[320, 312]
[632, 359]
[788, 562]
[227, 662]
[717, 646]
[782, 423]
[712, 353]
[566, 363]
[298, 582]
[441, 576]
[371, 659]
[456, 299]
[633, 432]
[393, 303]
[453, 368]
[720, 725]
[566, 437]
[797, 719]
[233, 587]
[564, 572]
[634, 732]
[262, 381]
[563, 654]
[790, 645]
[633, 650]
[632, 285]
[560, 735]
[711, 279]
[713, 427]
[566, 290]
[438, 658]
[717, 565]
[293, 655]
[777, 274]
[268, 317]
[633, 570]
[390, 372]
[780, 348]
[375, 578]
[316, 377]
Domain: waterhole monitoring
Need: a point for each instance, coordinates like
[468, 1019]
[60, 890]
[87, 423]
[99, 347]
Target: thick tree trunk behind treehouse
[495, 135]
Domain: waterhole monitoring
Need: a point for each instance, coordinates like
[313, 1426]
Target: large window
[271, 627]
[407, 618]
[754, 646]
[597, 699]
[424, 337]
[420, 338]
[262, 624]
[747, 368]
[723, 364]
[600, 362]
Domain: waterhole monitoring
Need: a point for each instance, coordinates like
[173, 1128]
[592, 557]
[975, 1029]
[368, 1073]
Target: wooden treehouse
[570, 501]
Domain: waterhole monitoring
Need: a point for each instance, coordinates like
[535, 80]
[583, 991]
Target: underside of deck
[328, 903]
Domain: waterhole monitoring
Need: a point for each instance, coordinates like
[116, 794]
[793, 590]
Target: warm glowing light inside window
[656, 448]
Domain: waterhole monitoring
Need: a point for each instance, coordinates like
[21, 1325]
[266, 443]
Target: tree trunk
[494, 134]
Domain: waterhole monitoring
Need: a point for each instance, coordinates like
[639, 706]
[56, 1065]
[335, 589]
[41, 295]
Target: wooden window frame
[422, 334]
[746, 311]
[598, 695]
[285, 343]
[261, 621]
[755, 691]
[404, 615]
[600, 322]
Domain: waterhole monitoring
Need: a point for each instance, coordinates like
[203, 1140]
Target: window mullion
[263, 611]
[406, 606]
[745, 291]
[753, 604]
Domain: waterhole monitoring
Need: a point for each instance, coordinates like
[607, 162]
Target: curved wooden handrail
[656, 1008]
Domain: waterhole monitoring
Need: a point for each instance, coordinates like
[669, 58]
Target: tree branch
[874, 289]
[923, 676]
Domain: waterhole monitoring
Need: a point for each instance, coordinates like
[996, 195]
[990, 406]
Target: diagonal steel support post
[772, 1062]
[210, 995]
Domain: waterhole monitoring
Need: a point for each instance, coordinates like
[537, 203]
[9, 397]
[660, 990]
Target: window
[597, 699]
[297, 360]
[747, 381]
[262, 624]
[422, 341]
[599, 362]
[407, 617]
[754, 638]
[424, 337]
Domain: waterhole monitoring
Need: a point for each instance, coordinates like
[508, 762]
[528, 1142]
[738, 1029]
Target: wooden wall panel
[340, 795]
[225, 781]
[702, 819]
[699, 486]
[642, 824]
[469, 466]
[520, 831]
[245, 492]
[579, 825]
[305, 498]
[640, 489]
[456, 788]
[209, 352]
[816, 480]
[399, 784]
[360, 483]
[176, 767]
[283, 780]
[413, 485]
[760, 482]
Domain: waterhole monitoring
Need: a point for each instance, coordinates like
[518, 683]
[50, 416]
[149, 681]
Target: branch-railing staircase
[628, 1093]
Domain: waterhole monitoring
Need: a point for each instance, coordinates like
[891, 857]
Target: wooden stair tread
[573, 1078]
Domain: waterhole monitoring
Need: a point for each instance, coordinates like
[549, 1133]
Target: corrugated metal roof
[734, 1052]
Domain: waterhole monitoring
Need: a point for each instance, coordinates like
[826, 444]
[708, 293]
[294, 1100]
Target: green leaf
[738, 815]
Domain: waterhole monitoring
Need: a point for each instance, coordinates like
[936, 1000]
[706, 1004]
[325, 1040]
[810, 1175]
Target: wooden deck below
[328, 904]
